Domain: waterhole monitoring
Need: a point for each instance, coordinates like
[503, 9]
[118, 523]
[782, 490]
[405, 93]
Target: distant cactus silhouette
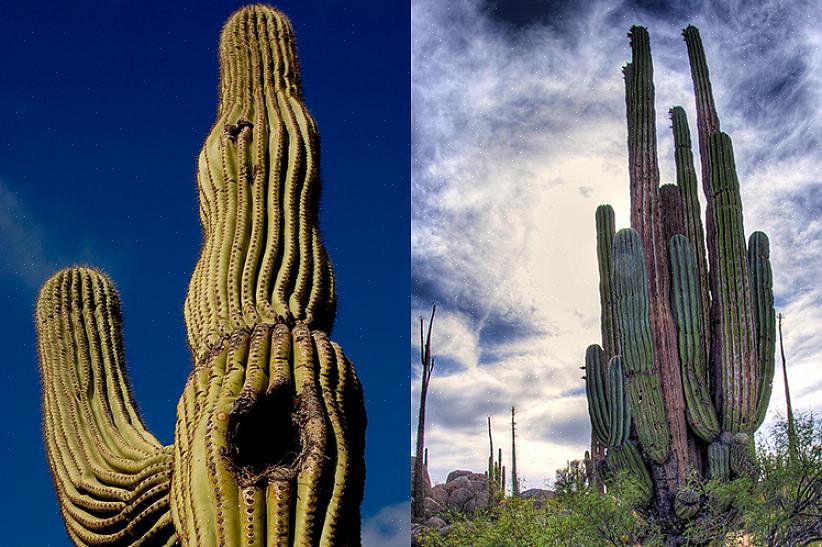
[269, 441]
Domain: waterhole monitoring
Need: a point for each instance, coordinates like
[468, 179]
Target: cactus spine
[269, 440]
[695, 333]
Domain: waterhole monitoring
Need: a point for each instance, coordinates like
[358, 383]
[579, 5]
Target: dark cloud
[468, 409]
[523, 13]
[567, 430]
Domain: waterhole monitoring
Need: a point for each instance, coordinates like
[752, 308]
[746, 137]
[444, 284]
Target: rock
[439, 493]
[457, 474]
[478, 486]
[538, 493]
[432, 507]
[478, 501]
[458, 497]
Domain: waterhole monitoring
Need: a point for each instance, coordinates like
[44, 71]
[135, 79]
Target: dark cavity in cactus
[686, 311]
[269, 442]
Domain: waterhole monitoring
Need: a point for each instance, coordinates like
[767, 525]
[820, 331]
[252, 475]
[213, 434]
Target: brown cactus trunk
[645, 215]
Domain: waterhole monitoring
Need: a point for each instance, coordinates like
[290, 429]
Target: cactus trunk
[645, 219]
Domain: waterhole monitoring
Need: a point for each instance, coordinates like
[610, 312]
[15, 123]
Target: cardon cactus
[695, 330]
[269, 441]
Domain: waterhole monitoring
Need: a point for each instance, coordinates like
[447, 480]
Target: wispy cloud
[32, 247]
[389, 527]
[22, 240]
[519, 133]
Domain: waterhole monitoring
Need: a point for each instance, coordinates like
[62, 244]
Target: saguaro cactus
[695, 334]
[269, 442]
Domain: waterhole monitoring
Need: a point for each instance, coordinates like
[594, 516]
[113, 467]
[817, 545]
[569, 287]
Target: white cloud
[22, 240]
[509, 124]
[389, 527]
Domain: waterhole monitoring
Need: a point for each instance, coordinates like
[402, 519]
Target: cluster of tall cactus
[269, 441]
[683, 377]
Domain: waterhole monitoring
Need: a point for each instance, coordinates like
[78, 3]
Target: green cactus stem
[610, 339]
[258, 174]
[631, 295]
[112, 476]
[686, 181]
[719, 467]
[605, 242]
[270, 433]
[595, 389]
[608, 402]
[685, 305]
[707, 120]
[759, 267]
[619, 405]
[736, 352]
[628, 460]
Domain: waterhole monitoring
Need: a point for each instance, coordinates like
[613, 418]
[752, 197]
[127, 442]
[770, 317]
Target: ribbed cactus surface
[694, 320]
[112, 476]
[269, 441]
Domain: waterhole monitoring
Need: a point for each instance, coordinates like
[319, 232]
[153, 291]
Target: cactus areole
[689, 333]
[269, 442]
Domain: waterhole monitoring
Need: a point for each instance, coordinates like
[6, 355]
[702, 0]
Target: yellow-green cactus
[269, 442]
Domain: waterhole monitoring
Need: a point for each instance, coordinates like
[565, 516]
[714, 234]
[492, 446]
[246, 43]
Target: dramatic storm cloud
[519, 133]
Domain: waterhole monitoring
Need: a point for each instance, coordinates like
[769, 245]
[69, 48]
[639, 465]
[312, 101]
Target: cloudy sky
[518, 133]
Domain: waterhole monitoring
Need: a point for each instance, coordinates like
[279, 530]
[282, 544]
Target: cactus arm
[687, 313]
[736, 351]
[112, 476]
[628, 458]
[687, 182]
[596, 393]
[707, 120]
[631, 294]
[605, 240]
[619, 405]
[759, 267]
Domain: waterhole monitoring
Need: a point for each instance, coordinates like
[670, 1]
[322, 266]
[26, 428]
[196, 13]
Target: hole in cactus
[262, 434]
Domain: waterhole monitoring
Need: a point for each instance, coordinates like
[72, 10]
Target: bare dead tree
[427, 362]
[791, 423]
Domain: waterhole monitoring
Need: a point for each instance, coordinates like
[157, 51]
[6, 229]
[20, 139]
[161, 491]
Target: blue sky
[518, 133]
[104, 108]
